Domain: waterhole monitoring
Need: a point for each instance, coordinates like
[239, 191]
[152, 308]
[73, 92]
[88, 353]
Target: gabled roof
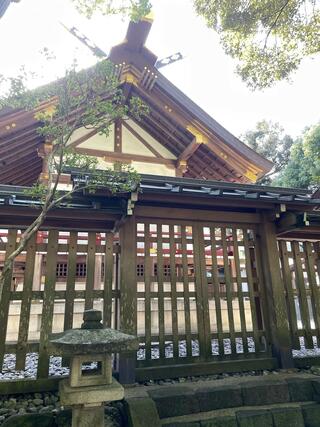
[204, 148]
[216, 153]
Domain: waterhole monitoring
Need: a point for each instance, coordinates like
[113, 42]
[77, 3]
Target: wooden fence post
[275, 295]
[128, 298]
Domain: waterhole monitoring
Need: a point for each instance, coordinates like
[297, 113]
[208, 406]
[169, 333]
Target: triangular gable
[126, 142]
[203, 147]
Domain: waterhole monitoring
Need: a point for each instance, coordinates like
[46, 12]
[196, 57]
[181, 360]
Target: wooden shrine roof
[204, 148]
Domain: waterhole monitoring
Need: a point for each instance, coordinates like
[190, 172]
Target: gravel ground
[55, 367]
[33, 403]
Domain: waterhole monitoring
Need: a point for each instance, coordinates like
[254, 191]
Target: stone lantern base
[88, 402]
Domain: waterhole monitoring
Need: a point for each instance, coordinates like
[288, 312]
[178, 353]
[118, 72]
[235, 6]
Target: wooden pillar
[128, 297]
[275, 295]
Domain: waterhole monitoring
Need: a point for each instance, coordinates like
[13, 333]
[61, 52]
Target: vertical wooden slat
[128, 296]
[48, 303]
[216, 289]
[239, 291]
[186, 296]
[160, 291]
[71, 279]
[173, 280]
[91, 257]
[315, 294]
[286, 274]
[228, 282]
[305, 318]
[198, 288]
[207, 349]
[316, 246]
[108, 279]
[251, 290]
[5, 296]
[263, 293]
[26, 304]
[147, 284]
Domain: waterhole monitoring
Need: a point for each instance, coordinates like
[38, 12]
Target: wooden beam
[189, 150]
[200, 215]
[118, 136]
[121, 157]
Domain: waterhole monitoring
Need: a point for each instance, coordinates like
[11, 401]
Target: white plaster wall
[153, 142]
[153, 169]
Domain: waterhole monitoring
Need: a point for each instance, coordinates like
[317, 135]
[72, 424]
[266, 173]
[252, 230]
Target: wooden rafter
[183, 118]
[189, 150]
[17, 154]
[170, 142]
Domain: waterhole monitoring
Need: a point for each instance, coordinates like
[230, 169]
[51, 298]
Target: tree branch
[275, 22]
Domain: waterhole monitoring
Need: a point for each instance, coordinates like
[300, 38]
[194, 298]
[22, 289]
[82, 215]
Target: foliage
[269, 140]
[90, 99]
[268, 38]
[297, 172]
[303, 168]
[135, 9]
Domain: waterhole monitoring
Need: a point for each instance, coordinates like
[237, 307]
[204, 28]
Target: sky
[206, 74]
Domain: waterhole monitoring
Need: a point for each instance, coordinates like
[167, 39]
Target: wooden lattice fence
[58, 276]
[300, 262]
[198, 292]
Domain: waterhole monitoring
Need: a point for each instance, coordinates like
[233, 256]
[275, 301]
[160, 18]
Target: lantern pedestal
[86, 391]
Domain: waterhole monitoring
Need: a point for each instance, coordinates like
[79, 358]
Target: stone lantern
[87, 391]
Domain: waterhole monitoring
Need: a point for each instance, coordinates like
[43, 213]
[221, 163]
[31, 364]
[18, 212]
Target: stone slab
[316, 386]
[300, 390]
[287, 417]
[256, 393]
[91, 394]
[182, 424]
[220, 422]
[88, 417]
[259, 418]
[142, 412]
[174, 401]
[311, 414]
[219, 397]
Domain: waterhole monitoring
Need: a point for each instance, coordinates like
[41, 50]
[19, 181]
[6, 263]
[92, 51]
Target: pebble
[56, 368]
[49, 402]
